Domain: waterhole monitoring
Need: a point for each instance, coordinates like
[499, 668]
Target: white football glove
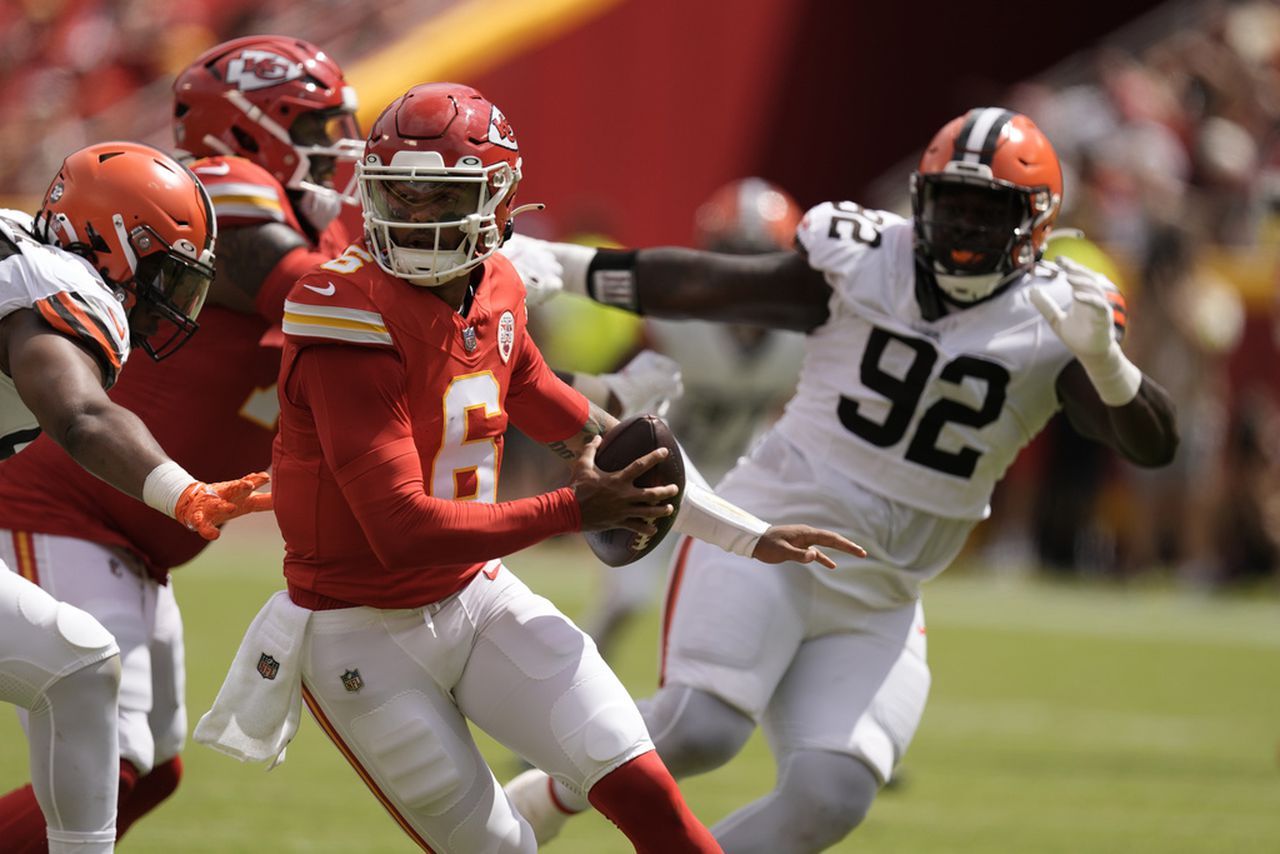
[1086, 330]
[648, 383]
[537, 265]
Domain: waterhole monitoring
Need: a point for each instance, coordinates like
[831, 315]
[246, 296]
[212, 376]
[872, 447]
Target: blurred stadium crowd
[1173, 162]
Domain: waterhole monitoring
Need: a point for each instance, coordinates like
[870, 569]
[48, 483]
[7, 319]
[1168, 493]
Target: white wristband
[708, 517]
[164, 486]
[575, 261]
[1114, 376]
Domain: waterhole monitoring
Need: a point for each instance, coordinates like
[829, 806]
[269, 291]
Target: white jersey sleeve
[929, 413]
[71, 297]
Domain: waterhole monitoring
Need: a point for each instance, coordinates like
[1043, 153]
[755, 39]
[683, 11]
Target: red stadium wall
[629, 121]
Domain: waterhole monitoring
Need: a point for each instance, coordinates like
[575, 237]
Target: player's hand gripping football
[205, 507]
[610, 499]
[800, 543]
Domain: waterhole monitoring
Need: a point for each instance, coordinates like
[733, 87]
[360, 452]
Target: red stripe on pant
[25, 551]
[668, 611]
[314, 707]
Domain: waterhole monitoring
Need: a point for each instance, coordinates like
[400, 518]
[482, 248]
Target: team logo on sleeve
[506, 335]
[500, 130]
[268, 667]
[258, 69]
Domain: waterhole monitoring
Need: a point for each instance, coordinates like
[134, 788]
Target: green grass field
[1062, 719]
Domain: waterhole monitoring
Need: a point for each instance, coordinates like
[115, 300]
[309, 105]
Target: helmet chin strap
[968, 289]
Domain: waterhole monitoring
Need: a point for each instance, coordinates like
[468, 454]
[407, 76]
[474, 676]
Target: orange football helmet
[146, 225]
[278, 101]
[748, 216]
[437, 181]
[984, 197]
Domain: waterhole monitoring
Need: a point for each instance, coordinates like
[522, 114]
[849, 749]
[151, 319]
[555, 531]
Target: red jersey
[393, 408]
[212, 405]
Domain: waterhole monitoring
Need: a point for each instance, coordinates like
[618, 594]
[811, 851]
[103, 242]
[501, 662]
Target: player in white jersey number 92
[936, 348]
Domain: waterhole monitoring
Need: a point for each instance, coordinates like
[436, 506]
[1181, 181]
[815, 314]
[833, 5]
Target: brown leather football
[628, 441]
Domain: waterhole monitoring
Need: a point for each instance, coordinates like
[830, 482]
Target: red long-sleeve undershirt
[365, 434]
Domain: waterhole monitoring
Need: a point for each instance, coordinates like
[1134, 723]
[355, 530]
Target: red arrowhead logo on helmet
[500, 130]
[258, 69]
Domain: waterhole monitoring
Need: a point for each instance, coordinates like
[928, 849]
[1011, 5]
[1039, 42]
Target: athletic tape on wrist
[1115, 378]
[164, 486]
[708, 517]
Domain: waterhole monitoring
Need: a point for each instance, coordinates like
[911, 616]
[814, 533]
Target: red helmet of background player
[984, 198]
[280, 102]
[748, 216]
[437, 181]
[146, 225]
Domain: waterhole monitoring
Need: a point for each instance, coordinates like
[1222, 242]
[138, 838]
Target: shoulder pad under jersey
[242, 192]
[836, 235]
[67, 294]
[332, 303]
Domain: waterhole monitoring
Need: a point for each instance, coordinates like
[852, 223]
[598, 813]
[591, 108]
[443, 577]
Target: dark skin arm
[62, 386]
[1144, 431]
[246, 256]
[778, 290]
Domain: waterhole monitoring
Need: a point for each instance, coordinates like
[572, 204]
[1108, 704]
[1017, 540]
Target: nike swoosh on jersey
[324, 292]
[221, 169]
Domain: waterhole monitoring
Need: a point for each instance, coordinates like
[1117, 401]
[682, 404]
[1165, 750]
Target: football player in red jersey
[936, 347]
[405, 360]
[270, 118]
[120, 254]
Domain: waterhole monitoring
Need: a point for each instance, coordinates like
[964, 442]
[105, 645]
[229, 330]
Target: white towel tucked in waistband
[255, 715]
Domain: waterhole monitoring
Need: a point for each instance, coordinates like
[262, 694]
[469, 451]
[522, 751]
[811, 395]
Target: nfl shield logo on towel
[351, 681]
[268, 667]
[506, 335]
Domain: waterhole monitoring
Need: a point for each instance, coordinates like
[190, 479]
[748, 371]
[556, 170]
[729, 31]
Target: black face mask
[969, 228]
[173, 288]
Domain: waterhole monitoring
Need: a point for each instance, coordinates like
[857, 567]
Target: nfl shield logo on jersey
[351, 680]
[268, 667]
[506, 335]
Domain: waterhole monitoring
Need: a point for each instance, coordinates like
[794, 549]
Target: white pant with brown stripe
[143, 617]
[394, 690]
[58, 664]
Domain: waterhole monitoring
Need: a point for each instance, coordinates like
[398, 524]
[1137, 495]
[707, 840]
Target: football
[627, 441]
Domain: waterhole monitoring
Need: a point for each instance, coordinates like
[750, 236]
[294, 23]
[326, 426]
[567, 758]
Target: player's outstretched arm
[62, 386]
[777, 290]
[1105, 396]
[704, 514]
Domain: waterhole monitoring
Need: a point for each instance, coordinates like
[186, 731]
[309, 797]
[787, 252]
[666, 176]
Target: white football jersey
[926, 413]
[70, 295]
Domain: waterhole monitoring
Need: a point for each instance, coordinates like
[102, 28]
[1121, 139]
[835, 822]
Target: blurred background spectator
[1165, 114]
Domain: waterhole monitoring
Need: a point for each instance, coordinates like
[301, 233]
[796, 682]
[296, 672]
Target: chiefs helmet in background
[747, 216]
[984, 198]
[281, 102]
[437, 181]
[146, 225]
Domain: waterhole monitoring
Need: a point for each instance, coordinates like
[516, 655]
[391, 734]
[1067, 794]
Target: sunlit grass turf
[1062, 719]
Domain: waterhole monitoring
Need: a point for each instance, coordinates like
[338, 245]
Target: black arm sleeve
[1144, 431]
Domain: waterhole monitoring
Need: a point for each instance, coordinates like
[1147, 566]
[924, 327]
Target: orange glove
[205, 507]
